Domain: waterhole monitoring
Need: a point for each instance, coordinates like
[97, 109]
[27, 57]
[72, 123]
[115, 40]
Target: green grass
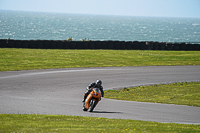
[59, 123]
[28, 59]
[177, 93]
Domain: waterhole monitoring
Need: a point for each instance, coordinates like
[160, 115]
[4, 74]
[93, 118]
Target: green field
[10, 123]
[177, 93]
[28, 59]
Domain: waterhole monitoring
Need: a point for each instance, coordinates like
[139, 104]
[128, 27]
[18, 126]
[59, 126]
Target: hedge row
[118, 45]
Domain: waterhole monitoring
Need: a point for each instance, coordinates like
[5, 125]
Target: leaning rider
[96, 84]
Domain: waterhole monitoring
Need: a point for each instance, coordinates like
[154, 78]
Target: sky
[151, 8]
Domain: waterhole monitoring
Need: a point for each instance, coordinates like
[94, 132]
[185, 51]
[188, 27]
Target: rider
[96, 84]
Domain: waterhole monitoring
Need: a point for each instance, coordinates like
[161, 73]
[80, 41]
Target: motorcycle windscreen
[97, 90]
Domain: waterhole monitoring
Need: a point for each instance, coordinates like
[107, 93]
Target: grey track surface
[60, 91]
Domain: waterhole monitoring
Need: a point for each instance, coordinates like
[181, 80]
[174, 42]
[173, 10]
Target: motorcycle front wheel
[93, 104]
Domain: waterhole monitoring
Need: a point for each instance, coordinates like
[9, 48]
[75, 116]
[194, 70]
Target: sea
[23, 25]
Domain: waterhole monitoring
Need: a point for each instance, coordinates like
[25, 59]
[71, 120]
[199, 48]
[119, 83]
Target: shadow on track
[106, 112]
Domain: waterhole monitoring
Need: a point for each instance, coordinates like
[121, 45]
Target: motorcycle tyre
[91, 108]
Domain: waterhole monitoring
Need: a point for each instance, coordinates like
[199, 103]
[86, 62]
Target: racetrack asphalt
[60, 91]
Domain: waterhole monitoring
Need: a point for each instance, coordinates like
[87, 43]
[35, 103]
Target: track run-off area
[60, 91]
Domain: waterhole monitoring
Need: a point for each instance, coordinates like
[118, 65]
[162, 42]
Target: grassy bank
[57, 123]
[27, 59]
[176, 93]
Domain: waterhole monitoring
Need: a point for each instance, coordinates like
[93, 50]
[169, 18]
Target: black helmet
[98, 82]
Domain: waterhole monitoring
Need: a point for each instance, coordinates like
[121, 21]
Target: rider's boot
[85, 96]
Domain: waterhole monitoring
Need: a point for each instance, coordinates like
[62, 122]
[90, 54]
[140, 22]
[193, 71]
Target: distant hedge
[116, 45]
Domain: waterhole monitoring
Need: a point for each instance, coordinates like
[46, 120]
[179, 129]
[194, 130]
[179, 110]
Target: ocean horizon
[24, 25]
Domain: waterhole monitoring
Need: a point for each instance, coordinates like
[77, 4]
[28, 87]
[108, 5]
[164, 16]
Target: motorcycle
[92, 100]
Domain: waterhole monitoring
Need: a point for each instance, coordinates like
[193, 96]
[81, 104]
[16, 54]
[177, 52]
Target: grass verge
[59, 123]
[177, 93]
[28, 59]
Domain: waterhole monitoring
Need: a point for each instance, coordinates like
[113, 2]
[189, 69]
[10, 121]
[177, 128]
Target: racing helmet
[98, 82]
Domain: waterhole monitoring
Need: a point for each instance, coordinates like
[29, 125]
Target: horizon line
[99, 14]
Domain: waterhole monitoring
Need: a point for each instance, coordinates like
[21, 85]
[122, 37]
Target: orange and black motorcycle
[92, 100]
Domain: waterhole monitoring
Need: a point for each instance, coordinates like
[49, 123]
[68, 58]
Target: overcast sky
[158, 8]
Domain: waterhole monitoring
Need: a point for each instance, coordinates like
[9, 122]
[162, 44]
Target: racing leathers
[89, 89]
